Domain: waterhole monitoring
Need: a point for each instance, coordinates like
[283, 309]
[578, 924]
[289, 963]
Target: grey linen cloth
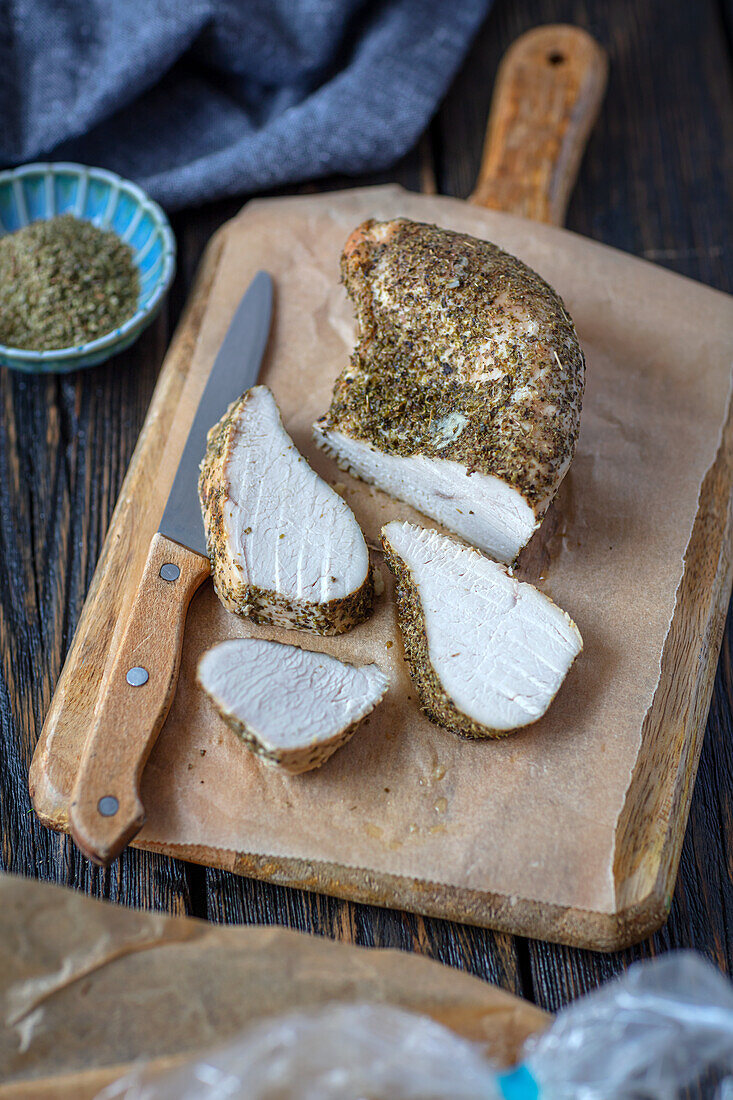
[197, 99]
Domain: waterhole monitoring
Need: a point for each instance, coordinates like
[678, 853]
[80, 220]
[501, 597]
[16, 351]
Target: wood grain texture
[548, 91]
[138, 688]
[652, 182]
[690, 658]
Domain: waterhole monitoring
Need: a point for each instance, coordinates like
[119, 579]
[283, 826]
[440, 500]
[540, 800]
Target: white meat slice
[464, 392]
[486, 651]
[291, 707]
[285, 548]
[485, 510]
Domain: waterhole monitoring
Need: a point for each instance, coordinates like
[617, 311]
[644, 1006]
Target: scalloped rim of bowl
[74, 351]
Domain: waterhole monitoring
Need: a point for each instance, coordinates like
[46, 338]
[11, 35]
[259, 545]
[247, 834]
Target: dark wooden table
[653, 184]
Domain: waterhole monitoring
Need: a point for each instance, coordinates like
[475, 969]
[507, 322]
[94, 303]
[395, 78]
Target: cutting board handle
[548, 91]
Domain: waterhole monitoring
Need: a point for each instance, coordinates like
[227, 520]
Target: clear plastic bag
[341, 1052]
[645, 1036]
[649, 1033]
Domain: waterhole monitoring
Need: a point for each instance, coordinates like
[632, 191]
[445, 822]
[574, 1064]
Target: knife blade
[235, 369]
[106, 810]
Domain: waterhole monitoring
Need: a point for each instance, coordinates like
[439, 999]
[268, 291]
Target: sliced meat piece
[291, 707]
[487, 652]
[284, 547]
[464, 392]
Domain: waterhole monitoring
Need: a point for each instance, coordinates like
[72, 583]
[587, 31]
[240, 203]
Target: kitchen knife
[106, 811]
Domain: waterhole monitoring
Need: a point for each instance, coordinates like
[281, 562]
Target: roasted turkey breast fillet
[464, 392]
[487, 653]
[291, 707]
[285, 548]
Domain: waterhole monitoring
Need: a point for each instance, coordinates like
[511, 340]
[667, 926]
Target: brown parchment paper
[87, 984]
[534, 815]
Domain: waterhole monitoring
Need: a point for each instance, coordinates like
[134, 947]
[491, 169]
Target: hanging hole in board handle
[547, 94]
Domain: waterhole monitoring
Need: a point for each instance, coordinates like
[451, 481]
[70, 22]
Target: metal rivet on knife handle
[137, 676]
[169, 571]
[108, 806]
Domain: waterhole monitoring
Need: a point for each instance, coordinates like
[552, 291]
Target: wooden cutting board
[571, 831]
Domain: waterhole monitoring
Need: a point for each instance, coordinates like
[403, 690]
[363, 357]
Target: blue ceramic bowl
[39, 191]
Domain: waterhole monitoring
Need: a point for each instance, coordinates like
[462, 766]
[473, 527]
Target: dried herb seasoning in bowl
[64, 282]
[85, 261]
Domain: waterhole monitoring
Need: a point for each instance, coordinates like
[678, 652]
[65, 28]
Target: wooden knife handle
[106, 811]
[548, 91]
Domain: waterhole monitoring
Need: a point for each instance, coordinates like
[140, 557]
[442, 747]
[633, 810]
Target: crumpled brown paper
[534, 833]
[534, 815]
[85, 986]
